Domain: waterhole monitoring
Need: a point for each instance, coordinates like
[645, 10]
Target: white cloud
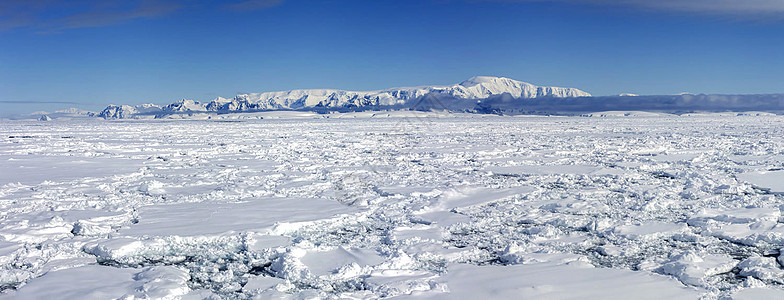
[710, 6]
[773, 8]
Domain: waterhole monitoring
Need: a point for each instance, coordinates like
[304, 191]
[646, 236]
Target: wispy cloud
[53, 15]
[38, 102]
[747, 8]
[20, 13]
[117, 12]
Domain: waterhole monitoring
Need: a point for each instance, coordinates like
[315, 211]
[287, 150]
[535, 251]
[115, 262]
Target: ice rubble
[418, 205]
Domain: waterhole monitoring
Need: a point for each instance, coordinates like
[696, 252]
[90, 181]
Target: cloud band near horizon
[724, 7]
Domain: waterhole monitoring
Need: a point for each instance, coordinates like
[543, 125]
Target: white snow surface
[548, 281]
[769, 180]
[406, 205]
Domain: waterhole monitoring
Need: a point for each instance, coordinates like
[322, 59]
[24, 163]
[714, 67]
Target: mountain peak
[486, 80]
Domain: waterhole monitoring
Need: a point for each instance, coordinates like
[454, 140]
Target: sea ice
[393, 204]
[556, 282]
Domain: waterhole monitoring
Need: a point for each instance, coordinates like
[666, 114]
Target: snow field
[412, 207]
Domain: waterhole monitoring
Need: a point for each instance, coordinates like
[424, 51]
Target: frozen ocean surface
[420, 206]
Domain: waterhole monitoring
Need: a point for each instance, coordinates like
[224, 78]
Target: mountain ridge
[474, 88]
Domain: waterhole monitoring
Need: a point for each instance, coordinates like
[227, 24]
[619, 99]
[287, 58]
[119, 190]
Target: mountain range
[481, 94]
[458, 95]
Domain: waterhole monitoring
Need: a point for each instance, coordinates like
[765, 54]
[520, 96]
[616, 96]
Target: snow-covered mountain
[127, 111]
[63, 114]
[480, 87]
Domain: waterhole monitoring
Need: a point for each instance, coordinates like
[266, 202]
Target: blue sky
[87, 54]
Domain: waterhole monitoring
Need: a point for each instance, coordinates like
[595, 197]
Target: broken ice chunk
[691, 268]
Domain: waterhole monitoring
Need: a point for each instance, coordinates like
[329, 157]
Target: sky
[88, 54]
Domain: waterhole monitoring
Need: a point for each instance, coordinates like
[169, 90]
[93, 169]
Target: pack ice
[397, 205]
